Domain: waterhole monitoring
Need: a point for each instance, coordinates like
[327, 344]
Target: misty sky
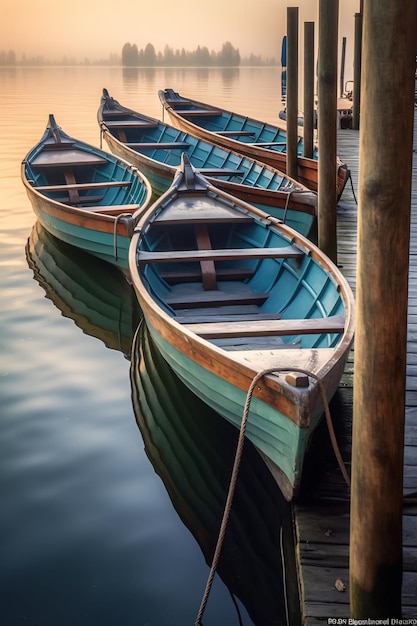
[98, 28]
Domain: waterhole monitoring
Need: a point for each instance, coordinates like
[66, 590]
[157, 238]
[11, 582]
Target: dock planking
[321, 513]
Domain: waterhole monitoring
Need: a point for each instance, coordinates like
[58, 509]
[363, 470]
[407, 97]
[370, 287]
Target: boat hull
[277, 195]
[301, 217]
[84, 196]
[307, 172]
[279, 312]
[281, 418]
[91, 233]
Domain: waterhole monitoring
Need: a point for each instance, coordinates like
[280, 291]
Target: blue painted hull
[248, 298]
[83, 195]
[101, 244]
[275, 437]
[156, 149]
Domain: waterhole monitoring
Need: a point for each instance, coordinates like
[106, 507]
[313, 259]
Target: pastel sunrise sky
[98, 28]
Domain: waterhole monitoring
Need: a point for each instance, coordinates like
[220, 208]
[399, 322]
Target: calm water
[93, 529]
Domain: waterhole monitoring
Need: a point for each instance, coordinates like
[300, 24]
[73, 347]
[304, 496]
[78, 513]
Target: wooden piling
[357, 71]
[387, 111]
[327, 121]
[308, 144]
[342, 68]
[292, 92]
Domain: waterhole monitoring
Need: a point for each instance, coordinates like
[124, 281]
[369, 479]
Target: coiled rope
[236, 466]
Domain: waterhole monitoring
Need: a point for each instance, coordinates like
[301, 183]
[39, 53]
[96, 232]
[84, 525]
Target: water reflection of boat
[93, 293]
[192, 449]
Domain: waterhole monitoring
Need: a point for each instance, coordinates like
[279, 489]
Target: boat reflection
[192, 450]
[91, 292]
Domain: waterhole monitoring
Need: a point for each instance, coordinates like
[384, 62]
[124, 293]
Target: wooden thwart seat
[90, 200]
[220, 171]
[191, 276]
[79, 186]
[226, 254]
[214, 298]
[265, 144]
[66, 157]
[131, 124]
[280, 327]
[162, 145]
[211, 215]
[200, 112]
[236, 133]
[211, 317]
[113, 209]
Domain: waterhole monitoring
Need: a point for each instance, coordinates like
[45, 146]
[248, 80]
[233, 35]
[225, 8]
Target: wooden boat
[262, 141]
[229, 292]
[83, 195]
[85, 289]
[192, 449]
[156, 148]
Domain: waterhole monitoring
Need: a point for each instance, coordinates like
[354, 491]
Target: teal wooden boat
[156, 148]
[192, 449]
[83, 195]
[230, 294]
[259, 140]
[85, 289]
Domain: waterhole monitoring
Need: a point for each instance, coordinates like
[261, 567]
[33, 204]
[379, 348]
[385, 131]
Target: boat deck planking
[322, 511]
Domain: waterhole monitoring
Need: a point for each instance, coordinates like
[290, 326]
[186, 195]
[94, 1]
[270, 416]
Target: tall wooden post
[308, 142]
[357, 71]
[292, 91]
[342, 68]
[327, 121]
[381, 304]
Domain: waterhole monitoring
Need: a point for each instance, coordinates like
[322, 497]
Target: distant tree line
[228, 56]
[133, 57]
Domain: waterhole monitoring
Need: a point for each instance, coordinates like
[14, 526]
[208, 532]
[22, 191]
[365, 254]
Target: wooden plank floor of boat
[321, 512]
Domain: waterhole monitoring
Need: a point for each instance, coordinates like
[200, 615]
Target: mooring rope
[353, 189]
[236, 466]
[116, 221]
[288, 198]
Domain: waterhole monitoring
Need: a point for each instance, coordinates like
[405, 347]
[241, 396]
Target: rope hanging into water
[236, 466]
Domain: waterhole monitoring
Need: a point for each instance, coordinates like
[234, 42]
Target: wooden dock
[321, 513]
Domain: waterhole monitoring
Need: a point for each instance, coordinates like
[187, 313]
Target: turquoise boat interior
[165, 144]
[75, 173]
[289, 284]
[239, 127]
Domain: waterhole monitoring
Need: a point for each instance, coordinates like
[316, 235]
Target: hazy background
[96, 29]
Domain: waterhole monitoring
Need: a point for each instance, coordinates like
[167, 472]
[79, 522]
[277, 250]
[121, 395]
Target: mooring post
[292, 91]
[386, 142]
[357, 63]
[327, 126]
[342, 68]
[308, 142]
